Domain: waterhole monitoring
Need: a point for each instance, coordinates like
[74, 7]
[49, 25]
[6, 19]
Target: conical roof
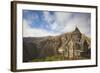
[76, 31]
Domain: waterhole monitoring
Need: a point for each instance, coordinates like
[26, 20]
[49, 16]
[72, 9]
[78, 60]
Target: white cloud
[69, 22]
[33, 32]
[83, 22]
[62, 18]
[56, 21]
[59, 23]
[48, 17]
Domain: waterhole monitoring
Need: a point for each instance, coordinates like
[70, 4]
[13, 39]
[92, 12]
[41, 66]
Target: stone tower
[76, 35]
[76, 38]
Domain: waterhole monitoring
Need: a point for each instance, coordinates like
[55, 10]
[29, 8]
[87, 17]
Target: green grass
[52, 58]
[56, 58]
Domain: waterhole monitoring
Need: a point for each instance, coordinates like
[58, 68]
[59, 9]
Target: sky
[51, 23]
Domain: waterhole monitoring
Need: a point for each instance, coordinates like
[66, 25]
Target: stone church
[75, 47]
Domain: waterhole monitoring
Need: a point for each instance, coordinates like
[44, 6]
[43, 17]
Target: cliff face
[71, 45]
